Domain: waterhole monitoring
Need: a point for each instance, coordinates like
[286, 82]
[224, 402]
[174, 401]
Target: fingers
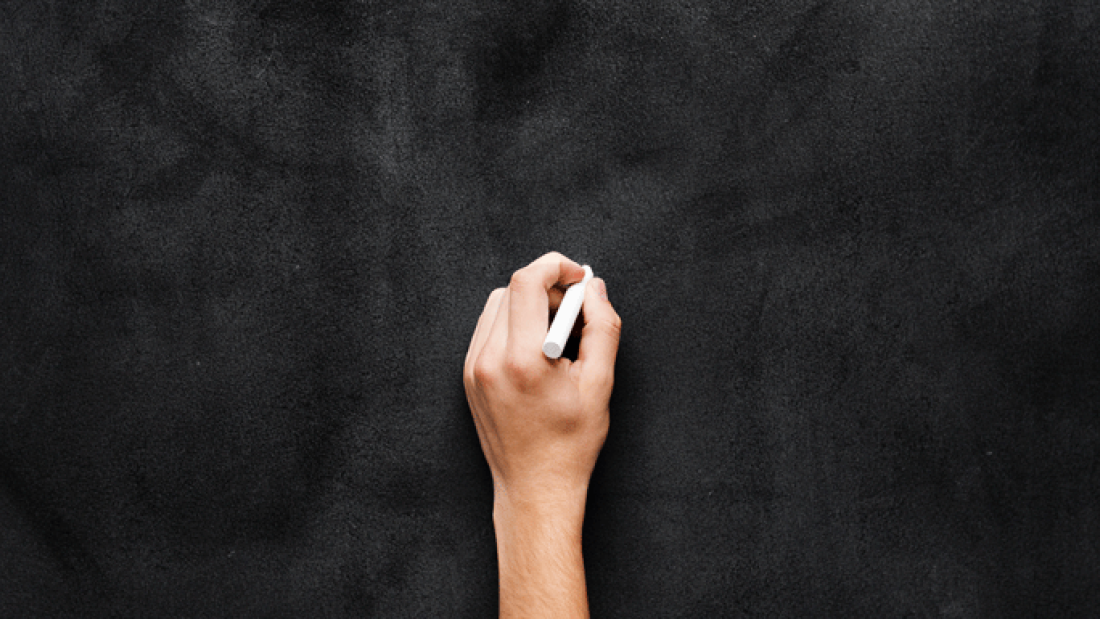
[484, 326]
[485, 320]
[515, 319]
[600, 336]
[529, 299]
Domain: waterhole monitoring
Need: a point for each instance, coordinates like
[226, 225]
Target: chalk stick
[566, 316]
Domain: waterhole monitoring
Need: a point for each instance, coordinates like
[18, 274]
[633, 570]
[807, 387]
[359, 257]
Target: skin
[541, 424]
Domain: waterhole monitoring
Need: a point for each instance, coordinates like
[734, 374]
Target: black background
[854, 246]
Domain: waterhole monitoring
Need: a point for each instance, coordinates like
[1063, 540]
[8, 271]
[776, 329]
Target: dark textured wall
[855, 246]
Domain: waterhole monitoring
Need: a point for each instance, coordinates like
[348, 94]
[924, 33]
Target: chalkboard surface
[855, 247]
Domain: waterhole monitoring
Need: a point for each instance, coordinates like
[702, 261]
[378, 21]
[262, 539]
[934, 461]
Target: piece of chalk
[566, 316]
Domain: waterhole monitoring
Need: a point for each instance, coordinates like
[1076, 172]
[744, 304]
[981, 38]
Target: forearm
[539, 554]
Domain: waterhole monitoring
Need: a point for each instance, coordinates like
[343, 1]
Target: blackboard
[854, 246]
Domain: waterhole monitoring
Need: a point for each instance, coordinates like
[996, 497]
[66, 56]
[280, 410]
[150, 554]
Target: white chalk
[566, 316]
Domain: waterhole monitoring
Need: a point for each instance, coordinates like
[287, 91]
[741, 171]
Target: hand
[541, 422]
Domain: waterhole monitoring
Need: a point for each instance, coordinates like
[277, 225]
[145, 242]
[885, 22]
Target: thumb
[600, 336]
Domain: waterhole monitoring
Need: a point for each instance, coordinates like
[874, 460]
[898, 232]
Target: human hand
[541, 422]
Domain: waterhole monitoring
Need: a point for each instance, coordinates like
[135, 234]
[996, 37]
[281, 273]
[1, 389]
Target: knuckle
[520, 278]
[612, 325]
[483, 372]
[522, 373]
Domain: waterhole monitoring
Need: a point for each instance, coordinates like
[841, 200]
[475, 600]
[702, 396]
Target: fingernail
[601, 288]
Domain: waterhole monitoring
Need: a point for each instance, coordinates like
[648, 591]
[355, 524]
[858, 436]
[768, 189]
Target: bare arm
[541, 423]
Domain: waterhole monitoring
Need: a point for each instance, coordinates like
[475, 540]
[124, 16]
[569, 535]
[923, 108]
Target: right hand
[541, 422]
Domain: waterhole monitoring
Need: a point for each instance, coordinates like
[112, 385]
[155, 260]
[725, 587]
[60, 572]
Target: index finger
[529, 301]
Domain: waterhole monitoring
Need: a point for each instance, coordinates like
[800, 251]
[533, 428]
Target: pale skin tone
[541, 424]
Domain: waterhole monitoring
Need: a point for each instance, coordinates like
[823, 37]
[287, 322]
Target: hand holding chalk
[542, 421]
[566, 317]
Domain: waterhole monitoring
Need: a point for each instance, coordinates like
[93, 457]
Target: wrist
[559, 503]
